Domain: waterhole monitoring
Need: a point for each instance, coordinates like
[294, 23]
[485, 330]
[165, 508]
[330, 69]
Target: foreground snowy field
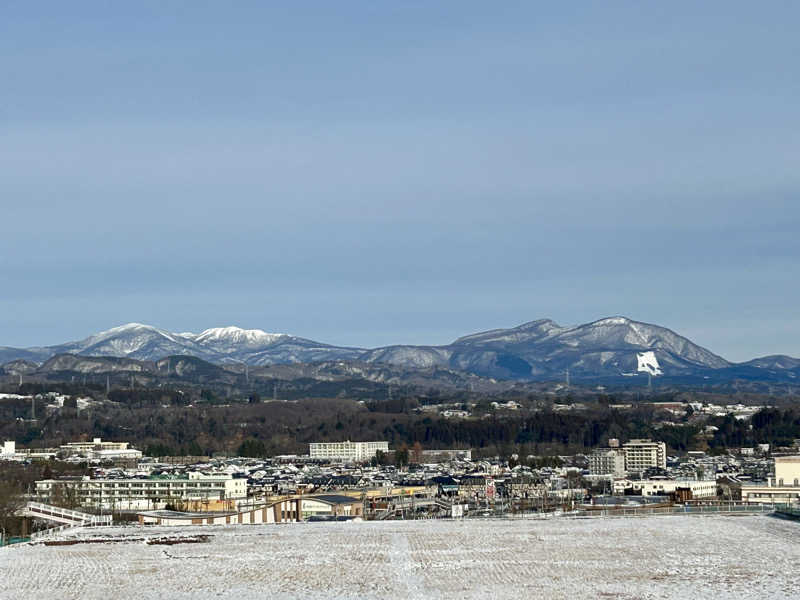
[656, 557]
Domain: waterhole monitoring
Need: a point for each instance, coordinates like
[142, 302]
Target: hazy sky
[400, 172]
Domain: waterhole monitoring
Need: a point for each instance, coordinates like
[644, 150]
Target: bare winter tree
[11, 500]
[416, 453]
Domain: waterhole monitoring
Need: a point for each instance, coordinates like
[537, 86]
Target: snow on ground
[648, 557]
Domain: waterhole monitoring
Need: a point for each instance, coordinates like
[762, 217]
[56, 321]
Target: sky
[366, 173]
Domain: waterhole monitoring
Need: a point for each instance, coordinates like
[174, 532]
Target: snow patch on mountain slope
[648, 363]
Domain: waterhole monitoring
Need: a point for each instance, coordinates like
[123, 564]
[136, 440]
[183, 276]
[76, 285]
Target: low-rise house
[474, 486]
[664, 487]
[445, 484]
[525, 486]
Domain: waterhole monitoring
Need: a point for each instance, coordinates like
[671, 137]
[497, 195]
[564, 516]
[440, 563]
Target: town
[367, 480]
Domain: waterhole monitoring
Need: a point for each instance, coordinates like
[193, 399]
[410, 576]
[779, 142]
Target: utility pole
[567, 377]
[108, 384]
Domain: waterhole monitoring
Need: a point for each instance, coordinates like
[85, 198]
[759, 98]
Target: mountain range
[543, 349]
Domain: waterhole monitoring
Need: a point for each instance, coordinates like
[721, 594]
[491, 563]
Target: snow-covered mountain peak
[128, 327]
[237, 335]
[540, 329]
[540, 325]
[129, 331]
[613, 321]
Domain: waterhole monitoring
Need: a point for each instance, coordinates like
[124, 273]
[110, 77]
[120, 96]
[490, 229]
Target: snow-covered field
[655, 557]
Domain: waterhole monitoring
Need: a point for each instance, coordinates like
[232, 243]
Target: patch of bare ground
[160, 541]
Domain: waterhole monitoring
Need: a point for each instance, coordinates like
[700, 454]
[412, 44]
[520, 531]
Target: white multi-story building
[99, 449]
[607, 461]
[9, 451]
[141, 494]
[784, 487]
[787, 471]
[643, 454]
[346, 451]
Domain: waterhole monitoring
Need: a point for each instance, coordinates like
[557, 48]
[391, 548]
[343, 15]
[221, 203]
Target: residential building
[346, 451]
[525, 486]
[643, 454]
[607, 461]
[474, 486]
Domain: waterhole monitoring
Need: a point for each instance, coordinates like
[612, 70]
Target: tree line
[156, 422]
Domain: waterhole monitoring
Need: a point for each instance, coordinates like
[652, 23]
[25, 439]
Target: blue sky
[405, 172]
